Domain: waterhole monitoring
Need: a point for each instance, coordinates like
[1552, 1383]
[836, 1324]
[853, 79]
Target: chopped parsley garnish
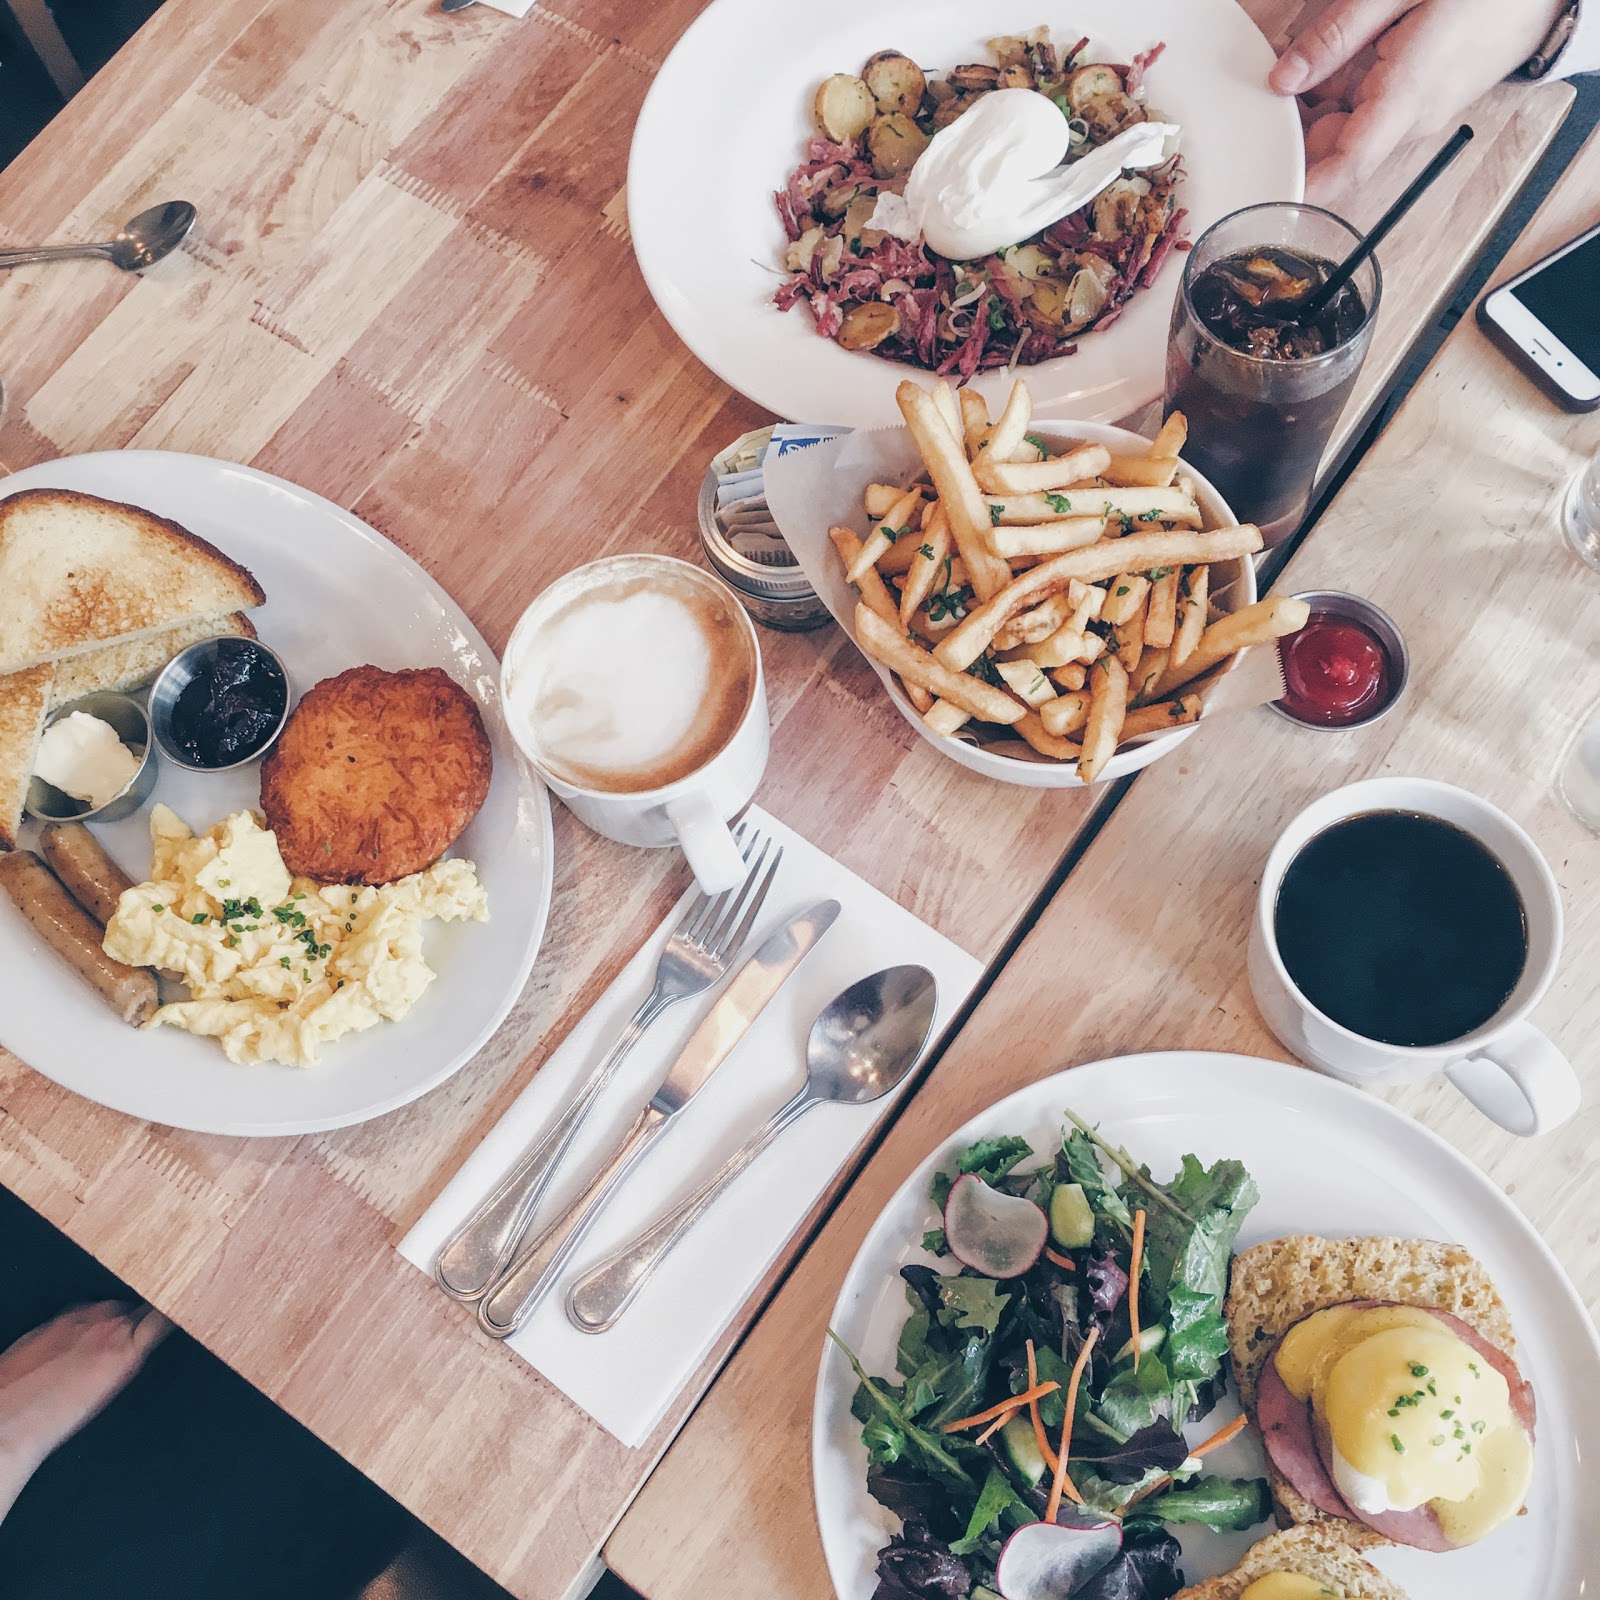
[198, 918]
[283, 961]
[995, 514]
[925, 551]
[1124, 519]
[1038, 444]
[1150, 516]
[997, 316]
[1394, 1439]
[158, 908]
[984, 669]
[1156, 574]
[1418, 1370]
[1058, 502]
[234, 910]
[1121, 590]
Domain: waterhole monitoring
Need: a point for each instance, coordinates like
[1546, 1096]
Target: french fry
[1065, 644]
[1127, 638]
[1164, 714]
[1193, 606]
[1161, 616]
[1029, 627]
[1124, 595]
[1027, 682]
[1027, 451]
[1108, 706]
[945, 717]
[1144, 506]
[1038, 477]
[1065, 714]
[1095, 562]
[927, 558]
[949, 408]
[1094, 646]
[1008, 432]
[964, 505]
[873, 590]
[1141, 472]
[1070, 677]
[1046, 538]
[1024, 510]
[1171, 437]
[1088, 602]
[1266, 619]
[878, 497]
[897, 560]
[974, 420]
[918, 696]
[894, 522]
[1152, 664]
[886, 642]
[1032, 728]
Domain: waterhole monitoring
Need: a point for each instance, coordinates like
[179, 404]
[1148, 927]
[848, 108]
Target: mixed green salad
[1081, 1281]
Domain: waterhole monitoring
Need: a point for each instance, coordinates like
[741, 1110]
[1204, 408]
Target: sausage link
[79, 860]
[75, 936]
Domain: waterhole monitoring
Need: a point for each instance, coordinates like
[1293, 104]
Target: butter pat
[83, 757]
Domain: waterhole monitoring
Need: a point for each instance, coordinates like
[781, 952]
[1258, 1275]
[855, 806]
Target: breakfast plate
[728, 117]
[1328, 1160]
[338, 595]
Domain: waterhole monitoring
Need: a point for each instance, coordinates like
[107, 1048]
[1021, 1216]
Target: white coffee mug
[692, 812]
[1508, 1069]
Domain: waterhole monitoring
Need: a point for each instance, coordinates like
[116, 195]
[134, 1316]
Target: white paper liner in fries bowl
[813, 490]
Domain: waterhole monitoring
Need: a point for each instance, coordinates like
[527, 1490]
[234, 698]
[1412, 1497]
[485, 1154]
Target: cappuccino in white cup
[634, 686]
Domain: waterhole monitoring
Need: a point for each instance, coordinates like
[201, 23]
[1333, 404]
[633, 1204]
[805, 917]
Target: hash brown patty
[375, 775]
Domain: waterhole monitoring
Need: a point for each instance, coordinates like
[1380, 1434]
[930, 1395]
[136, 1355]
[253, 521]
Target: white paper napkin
[512, 8]
[627, 1377]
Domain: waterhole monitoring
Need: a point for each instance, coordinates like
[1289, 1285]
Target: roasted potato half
[1091, 83]
[844, 106]
[867, 326]
[894, 142]
[896, 82]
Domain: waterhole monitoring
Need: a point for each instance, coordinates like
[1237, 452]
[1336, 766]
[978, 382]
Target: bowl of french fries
[1049, 603]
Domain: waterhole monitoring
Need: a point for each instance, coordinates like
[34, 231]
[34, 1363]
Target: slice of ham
[1299, 1446]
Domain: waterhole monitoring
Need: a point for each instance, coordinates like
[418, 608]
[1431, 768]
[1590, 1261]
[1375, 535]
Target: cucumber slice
[1023, 1448]
[1071, 1216]
[1149, 1339]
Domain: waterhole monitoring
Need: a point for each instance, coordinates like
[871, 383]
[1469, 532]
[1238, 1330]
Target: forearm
[15, 1470]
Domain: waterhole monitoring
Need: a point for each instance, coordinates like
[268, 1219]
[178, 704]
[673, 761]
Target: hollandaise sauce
[1288, 1586]
[1414, 1416]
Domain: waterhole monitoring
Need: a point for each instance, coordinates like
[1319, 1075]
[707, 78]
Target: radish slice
[1051, 1560]
[999, 1235]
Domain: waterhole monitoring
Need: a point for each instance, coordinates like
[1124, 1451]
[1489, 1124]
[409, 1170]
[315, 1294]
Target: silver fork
[698, 953]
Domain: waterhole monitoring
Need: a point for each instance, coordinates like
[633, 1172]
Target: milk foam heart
[632, 683]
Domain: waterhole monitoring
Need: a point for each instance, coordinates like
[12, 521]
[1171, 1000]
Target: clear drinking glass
[1581, 514]
[1258, 425]
[1579, 778]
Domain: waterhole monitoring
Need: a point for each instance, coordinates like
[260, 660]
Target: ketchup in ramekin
[1345, 668]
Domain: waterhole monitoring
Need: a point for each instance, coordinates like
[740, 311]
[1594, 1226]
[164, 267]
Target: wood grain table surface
[411, 289]
[1451, 524]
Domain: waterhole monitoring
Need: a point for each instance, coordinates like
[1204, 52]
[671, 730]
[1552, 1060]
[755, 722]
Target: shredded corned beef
[1003, 323]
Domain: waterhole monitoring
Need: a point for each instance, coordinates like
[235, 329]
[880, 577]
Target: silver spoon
[143, 241]
[862, 1046]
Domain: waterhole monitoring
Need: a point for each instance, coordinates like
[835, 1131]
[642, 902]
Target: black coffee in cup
[1401, 927]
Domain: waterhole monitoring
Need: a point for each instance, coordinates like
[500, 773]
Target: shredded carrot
[1005, 1408]
[1033, 1411]
[1064, 1484]
[995, 1426]
[1135, 1261]
[1060, 1261]
[1221, 1436]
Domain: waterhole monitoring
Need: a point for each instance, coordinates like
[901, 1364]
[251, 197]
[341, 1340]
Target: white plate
[727, 119]
[338, 595]
[805, 508]
[1328, 1159]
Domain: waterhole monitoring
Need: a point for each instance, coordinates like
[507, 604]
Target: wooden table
[1450, 524]
[411, 289]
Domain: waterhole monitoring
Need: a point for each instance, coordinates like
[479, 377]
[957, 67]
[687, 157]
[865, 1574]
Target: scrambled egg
[277, 966]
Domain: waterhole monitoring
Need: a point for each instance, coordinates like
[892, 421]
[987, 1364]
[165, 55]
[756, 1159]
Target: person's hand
[54, 1379]
[1377, 74]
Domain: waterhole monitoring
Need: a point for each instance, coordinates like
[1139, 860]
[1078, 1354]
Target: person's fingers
[1322, 137]
[1343, 30]
[1385, 119]
[149, 1329]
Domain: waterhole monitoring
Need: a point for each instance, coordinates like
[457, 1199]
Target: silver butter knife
[512, 1299]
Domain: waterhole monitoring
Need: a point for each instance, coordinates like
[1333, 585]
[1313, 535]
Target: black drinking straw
[1310, 309]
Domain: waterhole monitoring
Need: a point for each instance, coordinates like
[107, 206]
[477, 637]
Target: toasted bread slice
[133, 663]
[24, 697]
[77, 572]
[1314, 1552]
[1279, 1283]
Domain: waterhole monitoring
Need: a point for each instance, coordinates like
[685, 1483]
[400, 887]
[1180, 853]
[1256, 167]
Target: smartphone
[1547, 320]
